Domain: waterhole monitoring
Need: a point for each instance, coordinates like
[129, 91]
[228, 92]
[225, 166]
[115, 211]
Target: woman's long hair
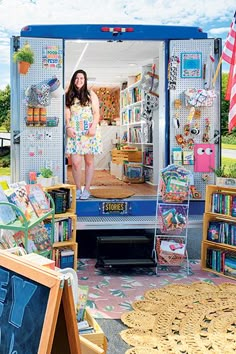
[82, 94]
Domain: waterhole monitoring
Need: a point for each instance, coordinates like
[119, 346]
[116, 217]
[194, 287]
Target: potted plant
[46, 178]
[24, 56]
[226, 176]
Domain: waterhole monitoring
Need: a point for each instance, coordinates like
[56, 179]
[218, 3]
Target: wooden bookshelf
[214, 252]
[70, 213]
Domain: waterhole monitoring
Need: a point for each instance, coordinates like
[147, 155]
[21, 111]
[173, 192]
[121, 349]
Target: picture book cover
[7, 213]
[188, 157]
[18, 196]
[19, 238]
[38, 239]
[37, 199]
[213, 233]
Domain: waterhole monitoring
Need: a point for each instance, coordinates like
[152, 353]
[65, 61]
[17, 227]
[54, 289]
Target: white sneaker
[78, 193]
[85, 195]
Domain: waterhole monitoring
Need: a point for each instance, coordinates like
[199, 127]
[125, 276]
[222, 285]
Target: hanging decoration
[172, 72]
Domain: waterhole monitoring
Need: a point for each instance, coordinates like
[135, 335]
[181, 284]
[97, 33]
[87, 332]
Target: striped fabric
[229, 55]
[229, 47]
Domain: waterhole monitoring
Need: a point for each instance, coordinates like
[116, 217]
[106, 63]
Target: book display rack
[41, 220]
[171, 226]
[218, 252]
[28, 230]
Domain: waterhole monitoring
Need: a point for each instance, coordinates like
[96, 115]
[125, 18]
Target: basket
[172, 218]
[170, 258]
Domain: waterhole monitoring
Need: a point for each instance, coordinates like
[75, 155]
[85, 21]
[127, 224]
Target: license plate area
[112, 208]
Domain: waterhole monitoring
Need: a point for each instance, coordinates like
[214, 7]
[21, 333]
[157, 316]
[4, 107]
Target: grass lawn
[226, 161]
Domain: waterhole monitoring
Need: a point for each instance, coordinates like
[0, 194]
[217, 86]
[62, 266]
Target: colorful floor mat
[112, 291]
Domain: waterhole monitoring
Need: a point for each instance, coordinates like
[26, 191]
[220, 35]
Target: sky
[213, 16]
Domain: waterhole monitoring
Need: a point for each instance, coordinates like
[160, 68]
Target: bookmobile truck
[173, 62]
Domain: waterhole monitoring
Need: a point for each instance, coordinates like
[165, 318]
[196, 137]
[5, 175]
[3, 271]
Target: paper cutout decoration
[204, 157]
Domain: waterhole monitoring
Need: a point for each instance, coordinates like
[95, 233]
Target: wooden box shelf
[70, 213]
[214, 252]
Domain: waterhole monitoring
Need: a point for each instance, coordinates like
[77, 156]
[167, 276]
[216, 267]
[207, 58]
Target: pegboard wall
[193, 126]
[42, 145]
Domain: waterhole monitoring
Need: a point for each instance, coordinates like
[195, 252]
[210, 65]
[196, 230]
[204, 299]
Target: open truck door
[37, 142]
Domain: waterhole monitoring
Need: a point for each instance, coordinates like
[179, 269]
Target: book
[188, 157]
[38, 239]
[230, 264]
[19, 238]
[83, 291]
[177, 155]
[213, 233]
[19, 197]
[7, 213]
[66, 258]
[38, 199]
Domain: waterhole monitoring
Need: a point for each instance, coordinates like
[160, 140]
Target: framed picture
[191, 65]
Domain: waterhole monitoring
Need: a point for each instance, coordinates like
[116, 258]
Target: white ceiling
[108, 63]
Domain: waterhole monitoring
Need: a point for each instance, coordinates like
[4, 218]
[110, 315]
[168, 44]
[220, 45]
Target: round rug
[201, 319]
[111, 193]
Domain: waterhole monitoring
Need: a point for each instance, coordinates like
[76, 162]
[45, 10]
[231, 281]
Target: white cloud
[15, 14]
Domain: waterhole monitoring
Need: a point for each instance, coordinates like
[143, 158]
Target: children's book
[188, 157]
[213, 233]
[18, 196]
[38, 239]
[7, 213]
[37, 199]
[83, 297]
[19, 238]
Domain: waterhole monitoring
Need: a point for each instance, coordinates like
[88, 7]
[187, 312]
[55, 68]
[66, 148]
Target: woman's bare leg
[89, 170]
[77, 169]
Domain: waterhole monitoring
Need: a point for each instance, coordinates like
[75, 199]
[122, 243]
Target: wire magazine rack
[172, 215]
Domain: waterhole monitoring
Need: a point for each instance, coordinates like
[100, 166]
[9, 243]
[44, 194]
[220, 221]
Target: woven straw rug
[111, 193]
[191, 319]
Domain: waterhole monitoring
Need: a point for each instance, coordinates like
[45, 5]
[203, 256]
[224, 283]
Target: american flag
[229, 55]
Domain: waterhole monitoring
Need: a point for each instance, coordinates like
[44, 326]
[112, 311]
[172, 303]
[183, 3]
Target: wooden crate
[98, 337]
[118, 156]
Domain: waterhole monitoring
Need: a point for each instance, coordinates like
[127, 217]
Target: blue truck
[180, 61]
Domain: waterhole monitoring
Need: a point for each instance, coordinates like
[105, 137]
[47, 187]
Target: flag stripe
[228, 50]
[232, 108]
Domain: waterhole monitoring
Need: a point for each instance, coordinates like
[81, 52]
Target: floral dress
[81, 119]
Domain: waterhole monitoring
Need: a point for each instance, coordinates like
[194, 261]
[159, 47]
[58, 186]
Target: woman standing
[83, 135]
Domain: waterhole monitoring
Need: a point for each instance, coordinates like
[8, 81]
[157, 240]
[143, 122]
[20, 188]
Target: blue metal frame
[87, 31]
